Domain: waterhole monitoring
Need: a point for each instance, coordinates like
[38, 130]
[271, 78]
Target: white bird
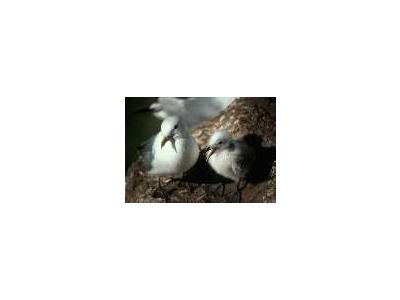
[171, 152]
[192, 110]
[230, 158]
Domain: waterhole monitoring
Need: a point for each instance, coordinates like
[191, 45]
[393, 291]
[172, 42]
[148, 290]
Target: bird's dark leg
[238, 185]
[162, 190]
[239, 195]
[223, 189]
[240, 189]
[189, 186]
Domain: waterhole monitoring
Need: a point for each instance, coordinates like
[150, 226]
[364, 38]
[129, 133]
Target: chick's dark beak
[205, 150]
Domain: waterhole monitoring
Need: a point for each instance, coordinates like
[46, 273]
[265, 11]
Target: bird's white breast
[167, 161]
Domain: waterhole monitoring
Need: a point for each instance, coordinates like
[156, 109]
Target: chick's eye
[176, 126]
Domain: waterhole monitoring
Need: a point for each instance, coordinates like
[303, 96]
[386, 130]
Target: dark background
[139, 126]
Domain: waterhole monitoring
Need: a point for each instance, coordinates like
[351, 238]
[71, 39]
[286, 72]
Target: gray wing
[242, 165]
[146, 152]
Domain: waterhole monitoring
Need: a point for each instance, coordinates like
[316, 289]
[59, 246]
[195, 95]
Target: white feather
[192, 110]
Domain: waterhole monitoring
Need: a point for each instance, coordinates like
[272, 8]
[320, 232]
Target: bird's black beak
[166, 139]
[205, 150]
[171, 139]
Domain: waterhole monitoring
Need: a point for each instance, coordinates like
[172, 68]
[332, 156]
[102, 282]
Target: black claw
[165, 195]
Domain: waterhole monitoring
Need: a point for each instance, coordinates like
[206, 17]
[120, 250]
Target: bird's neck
[183, 135]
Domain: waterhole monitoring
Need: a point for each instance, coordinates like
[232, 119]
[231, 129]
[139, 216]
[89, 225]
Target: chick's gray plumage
[230, 158]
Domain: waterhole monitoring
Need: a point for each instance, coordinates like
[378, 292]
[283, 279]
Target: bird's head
[220, 140]
[171, 129]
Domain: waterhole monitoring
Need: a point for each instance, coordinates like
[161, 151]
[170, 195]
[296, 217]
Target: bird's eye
[176, 126]
[220, 142]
